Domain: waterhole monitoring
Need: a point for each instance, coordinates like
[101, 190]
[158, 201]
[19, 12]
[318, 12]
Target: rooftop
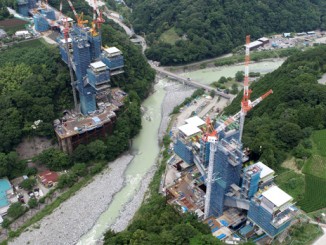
[112, 51]
[97, 65]
[265, 170]
[196, 121]
[263, 39]
[76, 124]
[189, 129]
[277, 196]
[254, 44]
[48, 176]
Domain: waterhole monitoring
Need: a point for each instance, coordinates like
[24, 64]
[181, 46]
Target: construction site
[91, 68]
[211, 175]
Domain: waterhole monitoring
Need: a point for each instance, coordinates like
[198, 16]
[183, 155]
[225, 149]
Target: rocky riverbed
[78, 214]
[175, 95]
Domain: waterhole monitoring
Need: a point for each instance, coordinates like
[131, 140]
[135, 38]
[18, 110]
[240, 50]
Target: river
[209, 75]
[146, 148]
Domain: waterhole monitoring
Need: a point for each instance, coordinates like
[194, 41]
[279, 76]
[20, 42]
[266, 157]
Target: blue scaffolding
[184, 152]
[31, 4]
[48, 13]
[226, 171]
[40, 23]
[22, 7]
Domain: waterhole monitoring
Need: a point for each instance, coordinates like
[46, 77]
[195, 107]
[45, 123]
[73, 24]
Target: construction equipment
[72, 81]
[60, 9]
[209, 129]
[96, 21]
[246, 91]
[213, 139]
[79, 18]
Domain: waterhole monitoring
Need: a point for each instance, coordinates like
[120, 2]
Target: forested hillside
[187, 30]
[283, 122]
[35, 85]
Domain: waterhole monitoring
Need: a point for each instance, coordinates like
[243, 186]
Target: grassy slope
[316, 164]
[169, 36]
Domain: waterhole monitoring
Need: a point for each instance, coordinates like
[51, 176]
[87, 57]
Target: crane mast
[213, 139]
[72, 81]
[79, 18]
[246, 91]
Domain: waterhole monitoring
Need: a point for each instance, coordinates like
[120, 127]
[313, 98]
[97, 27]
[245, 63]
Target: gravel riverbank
[176, 94]
[78, 214]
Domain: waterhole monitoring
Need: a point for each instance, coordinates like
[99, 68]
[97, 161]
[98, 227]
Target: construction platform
[74, 129]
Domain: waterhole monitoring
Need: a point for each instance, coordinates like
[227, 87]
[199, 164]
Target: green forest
[4, 13]
[190, 30]
[282, 124]
[35, 85]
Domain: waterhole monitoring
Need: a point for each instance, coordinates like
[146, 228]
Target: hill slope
[284, 121]
[207, 28]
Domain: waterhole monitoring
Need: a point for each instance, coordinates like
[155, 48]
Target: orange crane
[209, 129]
[96, 21]
[79, 18]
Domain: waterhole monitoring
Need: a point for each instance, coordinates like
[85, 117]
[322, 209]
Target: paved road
[187, 81]
[130, 32]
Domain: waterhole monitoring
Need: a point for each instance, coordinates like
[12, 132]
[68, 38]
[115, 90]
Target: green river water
[209, 75]
[146, 148]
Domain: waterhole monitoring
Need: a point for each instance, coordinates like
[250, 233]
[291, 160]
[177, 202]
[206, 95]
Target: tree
[5, 223]
[97, 149]
[234, 89]
[16, 210]
[67, 180]
[223, 80]
[28, 184]
[239, 76]
[54, 159]
[81, 154]
[32, 203]
[79, 169]
[290, 133]
[204, 240]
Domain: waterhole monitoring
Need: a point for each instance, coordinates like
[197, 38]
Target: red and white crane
[245, 103]
[213, 139]
[97, 21]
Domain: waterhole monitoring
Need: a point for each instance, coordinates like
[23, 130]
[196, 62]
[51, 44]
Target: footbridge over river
[187, 81]
[130, 32]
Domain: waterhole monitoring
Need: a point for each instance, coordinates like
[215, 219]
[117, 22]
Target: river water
[146, 148]
[209, 75]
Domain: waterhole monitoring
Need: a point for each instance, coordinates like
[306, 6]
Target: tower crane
[79, 18]
[213, 139]
[209, 129]
[60, 9]
[72, 81]
[245, 107]
[96, 21]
